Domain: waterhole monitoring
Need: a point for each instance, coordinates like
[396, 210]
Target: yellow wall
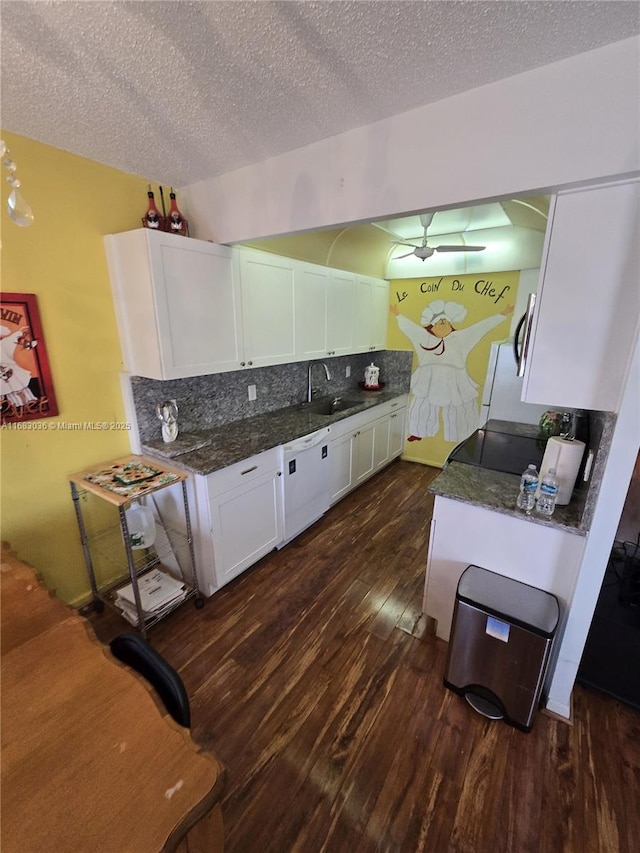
[483, 296]
[60, 258]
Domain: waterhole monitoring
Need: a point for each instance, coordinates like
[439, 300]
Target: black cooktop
[500, 451]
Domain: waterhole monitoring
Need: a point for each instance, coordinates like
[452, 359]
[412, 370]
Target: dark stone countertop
[236, 441]
[497, 491]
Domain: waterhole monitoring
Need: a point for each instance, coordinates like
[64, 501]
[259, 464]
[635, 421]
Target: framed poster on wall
[26, 387]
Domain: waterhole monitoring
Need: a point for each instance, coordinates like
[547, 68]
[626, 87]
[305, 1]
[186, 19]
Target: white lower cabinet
[239, 512]
[365, 443]
[397, 431]
[239, 518]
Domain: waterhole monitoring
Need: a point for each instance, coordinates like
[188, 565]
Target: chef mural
[450, 322]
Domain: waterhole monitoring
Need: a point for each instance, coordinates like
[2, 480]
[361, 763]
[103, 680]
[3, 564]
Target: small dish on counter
[377, 387]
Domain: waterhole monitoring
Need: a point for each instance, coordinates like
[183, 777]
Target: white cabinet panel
[177, 304]
[311, 286]
[380, 314]
[363, 319]
[341, 451]
[363, 454]
[397, 432]
[239, 517]
[544, 557]
[588, 304]
[246, 523]
[268, 308]
[341, 302]
[371, 314]
[365, 443]
[381, 438]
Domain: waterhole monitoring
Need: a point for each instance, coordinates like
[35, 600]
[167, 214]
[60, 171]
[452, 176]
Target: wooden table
[90, 760]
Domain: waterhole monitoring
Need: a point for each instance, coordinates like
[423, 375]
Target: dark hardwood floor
[314, 678]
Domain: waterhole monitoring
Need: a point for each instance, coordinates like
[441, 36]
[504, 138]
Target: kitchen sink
[328, 406]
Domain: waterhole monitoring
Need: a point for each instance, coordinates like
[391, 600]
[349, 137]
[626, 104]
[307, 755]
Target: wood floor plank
[318, 682]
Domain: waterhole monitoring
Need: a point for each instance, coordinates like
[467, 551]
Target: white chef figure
[441, 381]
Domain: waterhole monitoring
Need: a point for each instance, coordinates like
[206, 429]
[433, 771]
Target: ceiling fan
[423, 251]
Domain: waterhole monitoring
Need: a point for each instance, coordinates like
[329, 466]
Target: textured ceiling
[181, 91]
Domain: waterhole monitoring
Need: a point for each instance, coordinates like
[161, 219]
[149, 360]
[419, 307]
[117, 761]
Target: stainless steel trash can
[501, 639]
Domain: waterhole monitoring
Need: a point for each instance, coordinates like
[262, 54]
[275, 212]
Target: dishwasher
[305, 481]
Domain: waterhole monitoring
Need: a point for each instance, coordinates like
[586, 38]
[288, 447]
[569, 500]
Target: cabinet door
[380, 314]
[311, 285]
[381, 439]
[371, 310]
[177, 304]
[363, 315]
[364, 465]
[268, 308]
[340, 312]
[588, 302]
[341, 456]
[397, 433]
[246, 523]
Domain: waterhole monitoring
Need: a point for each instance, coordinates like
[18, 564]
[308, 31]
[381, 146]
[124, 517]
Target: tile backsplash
[220, 398]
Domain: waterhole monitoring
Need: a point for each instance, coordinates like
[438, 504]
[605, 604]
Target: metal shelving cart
[120, 484]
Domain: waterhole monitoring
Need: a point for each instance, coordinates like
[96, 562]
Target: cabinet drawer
[392, 406]
[242, 472]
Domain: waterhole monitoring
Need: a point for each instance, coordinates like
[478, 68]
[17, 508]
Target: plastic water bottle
[526, 500]
[546, 502]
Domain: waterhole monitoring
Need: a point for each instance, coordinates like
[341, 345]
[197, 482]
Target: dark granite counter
[233, 442]
[497, 491]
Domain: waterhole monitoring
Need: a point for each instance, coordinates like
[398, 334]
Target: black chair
[136, 652]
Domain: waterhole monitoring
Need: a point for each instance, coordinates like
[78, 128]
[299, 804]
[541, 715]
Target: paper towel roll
[565, 456]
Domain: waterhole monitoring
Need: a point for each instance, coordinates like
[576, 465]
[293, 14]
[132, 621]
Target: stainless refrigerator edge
[503, 388]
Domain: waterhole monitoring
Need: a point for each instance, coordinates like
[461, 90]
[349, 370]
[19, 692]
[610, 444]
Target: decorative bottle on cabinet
[152, 218]
[177, 224]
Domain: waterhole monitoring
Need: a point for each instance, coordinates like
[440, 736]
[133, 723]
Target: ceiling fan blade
[397, 258]
[402, 243]
[460, 248]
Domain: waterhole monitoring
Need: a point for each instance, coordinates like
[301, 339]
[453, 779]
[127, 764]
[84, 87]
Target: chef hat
[451, 311]
[4, 331]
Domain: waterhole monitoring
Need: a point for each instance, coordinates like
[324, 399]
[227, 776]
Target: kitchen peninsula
[476, 522]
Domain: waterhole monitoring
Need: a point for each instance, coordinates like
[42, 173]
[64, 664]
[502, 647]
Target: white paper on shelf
[157, 590]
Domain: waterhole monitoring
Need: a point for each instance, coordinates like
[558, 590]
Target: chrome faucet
[326, 373]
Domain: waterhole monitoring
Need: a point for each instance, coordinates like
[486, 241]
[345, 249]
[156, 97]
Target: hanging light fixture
[17, 207]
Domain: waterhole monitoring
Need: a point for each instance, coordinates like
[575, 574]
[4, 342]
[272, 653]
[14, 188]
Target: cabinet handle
[250, 363]
[248, 471]
[521, 359]
[242, 364]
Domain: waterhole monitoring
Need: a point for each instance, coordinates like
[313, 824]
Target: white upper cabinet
[312, 285]
[371, 310]
[588, 304]
[341, 304]
[268, 308]
[177, 304]
[188, 307]
[380, 314]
